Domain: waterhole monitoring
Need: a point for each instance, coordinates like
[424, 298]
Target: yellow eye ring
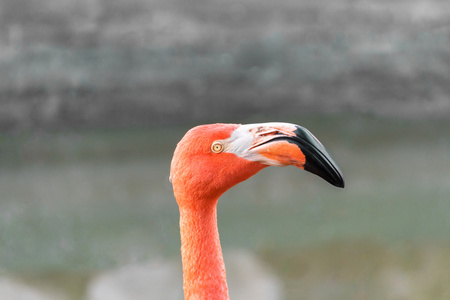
[217, 147]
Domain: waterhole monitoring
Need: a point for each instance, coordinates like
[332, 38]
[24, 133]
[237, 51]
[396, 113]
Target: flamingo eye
[217, 147]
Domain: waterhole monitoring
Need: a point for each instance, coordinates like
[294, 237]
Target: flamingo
[208, 161]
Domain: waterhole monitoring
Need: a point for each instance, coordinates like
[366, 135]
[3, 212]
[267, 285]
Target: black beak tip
[318, 161]
[340, 183]
[336, 177]
[327, 171]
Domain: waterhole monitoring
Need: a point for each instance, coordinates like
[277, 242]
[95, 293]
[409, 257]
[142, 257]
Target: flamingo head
[210, 159]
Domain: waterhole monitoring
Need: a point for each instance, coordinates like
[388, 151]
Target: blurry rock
[155, 280]
[11, 289]
[248, 278]
[398, 284]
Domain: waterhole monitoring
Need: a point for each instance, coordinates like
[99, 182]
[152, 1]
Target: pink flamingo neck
[203, 266]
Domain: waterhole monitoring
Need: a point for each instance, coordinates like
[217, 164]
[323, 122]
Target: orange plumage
[209, 160]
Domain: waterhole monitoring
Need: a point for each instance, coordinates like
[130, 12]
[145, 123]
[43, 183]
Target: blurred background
[95, 94]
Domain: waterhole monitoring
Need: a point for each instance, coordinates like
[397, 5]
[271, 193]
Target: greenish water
[80, 202]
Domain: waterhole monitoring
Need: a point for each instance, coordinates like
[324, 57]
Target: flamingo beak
[282, 144]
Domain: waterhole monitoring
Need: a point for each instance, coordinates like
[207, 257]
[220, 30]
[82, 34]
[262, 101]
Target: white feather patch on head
[241, 140]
